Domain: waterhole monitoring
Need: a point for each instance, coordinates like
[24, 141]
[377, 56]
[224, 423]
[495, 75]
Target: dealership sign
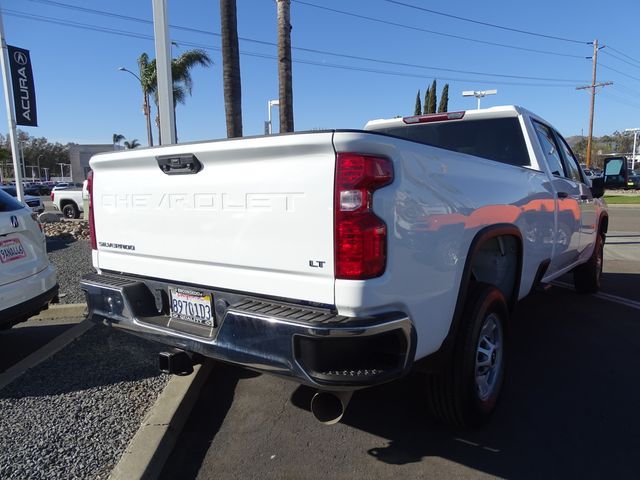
[24, 92]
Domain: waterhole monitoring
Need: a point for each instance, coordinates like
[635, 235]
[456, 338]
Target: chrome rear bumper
[313, 346]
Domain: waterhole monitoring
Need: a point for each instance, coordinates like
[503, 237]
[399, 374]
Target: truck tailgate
[257, 217]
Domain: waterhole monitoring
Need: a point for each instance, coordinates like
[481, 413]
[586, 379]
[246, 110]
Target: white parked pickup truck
[69, 202]
[342, 259]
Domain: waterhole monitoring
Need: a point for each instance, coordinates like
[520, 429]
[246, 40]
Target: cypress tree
[417, 110]
[433, 100]
[444, 99]
[426, 101]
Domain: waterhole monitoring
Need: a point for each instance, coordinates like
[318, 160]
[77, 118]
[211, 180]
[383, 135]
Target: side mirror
[597, 187]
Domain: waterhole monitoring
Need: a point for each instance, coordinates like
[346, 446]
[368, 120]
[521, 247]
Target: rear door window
[550, 150]
[498, 139]
[570, 161]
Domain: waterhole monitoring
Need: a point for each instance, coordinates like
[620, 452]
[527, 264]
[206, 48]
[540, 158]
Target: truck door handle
[562, 194]
[187, 164]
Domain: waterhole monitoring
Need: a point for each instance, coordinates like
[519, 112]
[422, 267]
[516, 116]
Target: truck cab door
[568, 215]
[615, 172]
[588, 213]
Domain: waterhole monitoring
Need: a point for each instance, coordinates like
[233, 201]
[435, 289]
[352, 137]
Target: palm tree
[180, 72]
[129, 145]
[284, 66]
[117, 138]
[145, 83]
[231, 68]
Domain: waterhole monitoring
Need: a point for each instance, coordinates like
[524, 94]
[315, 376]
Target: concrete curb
[152, 444]
[43, 353]
[67, 310]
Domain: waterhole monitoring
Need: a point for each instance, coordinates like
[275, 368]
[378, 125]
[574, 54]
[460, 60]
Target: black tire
[70, 211]
[586, 277]
[455, 395]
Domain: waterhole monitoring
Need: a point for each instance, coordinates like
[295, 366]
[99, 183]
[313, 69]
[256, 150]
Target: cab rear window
[8, 203]
[498, 139]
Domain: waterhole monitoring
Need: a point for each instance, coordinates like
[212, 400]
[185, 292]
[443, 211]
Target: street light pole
[478, 94]
[39, 171]
[271, 103]
[145, 105]
[635, 140]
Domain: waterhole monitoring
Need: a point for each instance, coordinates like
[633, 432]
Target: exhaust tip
[329, 407]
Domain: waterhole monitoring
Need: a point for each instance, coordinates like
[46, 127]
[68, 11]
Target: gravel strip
[72, 260]
[72, 416]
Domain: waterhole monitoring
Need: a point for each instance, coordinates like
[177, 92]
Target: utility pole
[593, 87]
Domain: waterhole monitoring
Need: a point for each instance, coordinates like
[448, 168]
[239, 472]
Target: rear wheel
[465, 393]
[586, 277]
[70, 211]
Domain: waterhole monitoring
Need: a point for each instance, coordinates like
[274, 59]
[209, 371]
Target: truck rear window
[8, 203]
[498, 139]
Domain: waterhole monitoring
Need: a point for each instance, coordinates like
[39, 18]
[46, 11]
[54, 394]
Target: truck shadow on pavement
[568, 409]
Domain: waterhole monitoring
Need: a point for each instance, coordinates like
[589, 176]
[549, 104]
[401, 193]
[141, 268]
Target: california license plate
[191, 305]
[11, 250]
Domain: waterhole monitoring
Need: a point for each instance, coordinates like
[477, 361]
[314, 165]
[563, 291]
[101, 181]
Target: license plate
[191, 305]
[11, 250]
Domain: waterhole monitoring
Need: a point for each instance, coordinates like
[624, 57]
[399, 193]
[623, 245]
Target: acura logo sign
[20, 58]
[14, 221]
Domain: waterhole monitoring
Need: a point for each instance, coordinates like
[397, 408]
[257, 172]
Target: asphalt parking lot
[568, 409]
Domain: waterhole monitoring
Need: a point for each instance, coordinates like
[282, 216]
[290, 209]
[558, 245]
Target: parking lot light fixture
[145, 105]
[478, 94]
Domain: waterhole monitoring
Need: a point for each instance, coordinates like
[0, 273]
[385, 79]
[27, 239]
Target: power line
[621, 59]
[628, 91]
[493, 25]
[125, 33]
[623, 54]
[619, 72]
[308, 50]
[206, 32]
[424, 30]
[620, 100]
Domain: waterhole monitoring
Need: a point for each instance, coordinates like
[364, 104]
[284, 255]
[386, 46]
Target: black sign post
[24, 91]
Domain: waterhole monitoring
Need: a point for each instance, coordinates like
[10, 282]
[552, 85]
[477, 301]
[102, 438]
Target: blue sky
[83, 98]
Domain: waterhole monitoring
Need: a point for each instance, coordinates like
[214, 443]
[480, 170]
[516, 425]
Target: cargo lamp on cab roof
[434, 117]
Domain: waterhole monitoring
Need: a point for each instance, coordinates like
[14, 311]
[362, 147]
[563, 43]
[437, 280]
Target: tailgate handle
[179, 164]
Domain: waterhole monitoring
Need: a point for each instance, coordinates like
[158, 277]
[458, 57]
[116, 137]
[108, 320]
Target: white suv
[27, 279]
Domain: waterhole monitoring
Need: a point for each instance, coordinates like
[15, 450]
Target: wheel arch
[482, 238]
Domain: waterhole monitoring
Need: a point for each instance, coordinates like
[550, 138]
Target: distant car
[27, 279]
[34, 203]
[38, 189]
[60, 186]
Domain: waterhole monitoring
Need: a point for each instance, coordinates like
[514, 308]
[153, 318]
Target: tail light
[52, 195]
[92, 222]
[360, 236]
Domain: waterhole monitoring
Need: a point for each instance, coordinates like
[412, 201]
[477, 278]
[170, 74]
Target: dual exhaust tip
[327, 407]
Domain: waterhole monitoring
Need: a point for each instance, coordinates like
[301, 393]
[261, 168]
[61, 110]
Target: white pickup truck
[69, 201]
[342, 259]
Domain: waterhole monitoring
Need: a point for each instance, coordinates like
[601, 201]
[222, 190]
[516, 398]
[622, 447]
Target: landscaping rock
[49, 217]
